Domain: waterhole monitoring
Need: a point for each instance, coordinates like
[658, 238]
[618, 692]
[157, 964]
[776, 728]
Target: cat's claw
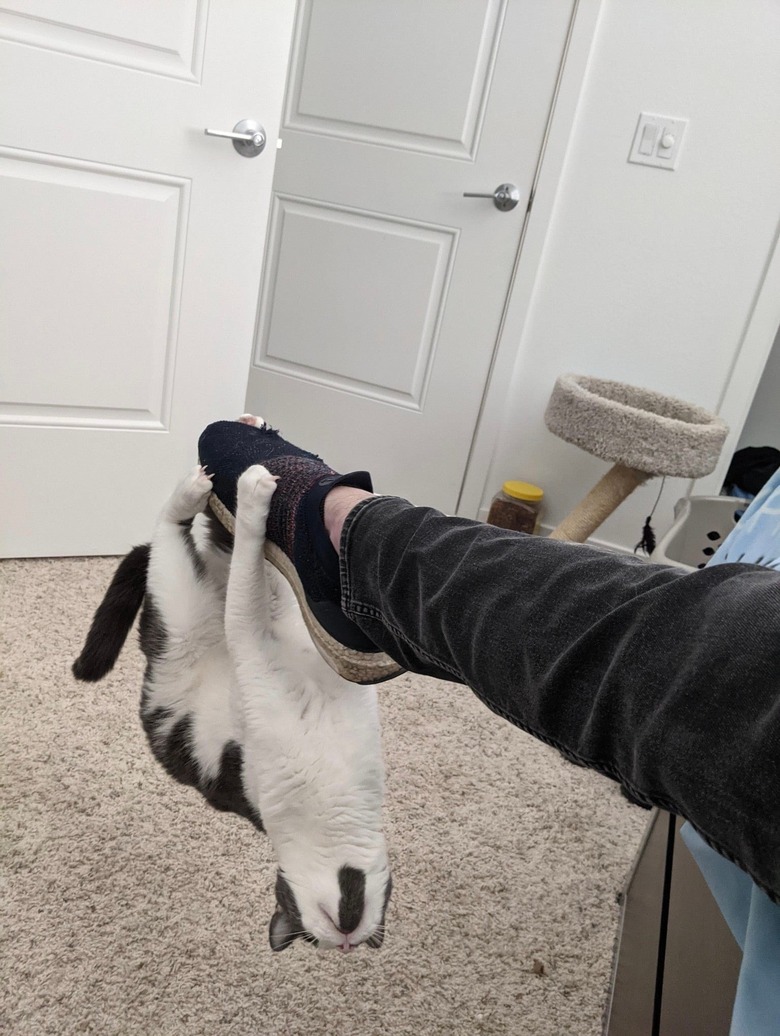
[191, 495]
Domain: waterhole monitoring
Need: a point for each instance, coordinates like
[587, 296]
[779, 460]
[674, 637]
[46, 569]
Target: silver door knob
[248, 137]
[505, 196]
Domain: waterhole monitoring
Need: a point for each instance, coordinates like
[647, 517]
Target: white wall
[649, 276]
[762, 427]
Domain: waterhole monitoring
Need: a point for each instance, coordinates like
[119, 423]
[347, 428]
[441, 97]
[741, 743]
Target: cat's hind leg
[189, 498]
[185, 704]
[188, 604]
[248, 604]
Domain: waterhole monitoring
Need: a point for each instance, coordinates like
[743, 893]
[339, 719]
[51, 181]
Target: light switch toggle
[647, 143]
[658, 141]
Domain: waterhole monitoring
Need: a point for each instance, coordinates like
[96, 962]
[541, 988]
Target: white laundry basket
[701, 523]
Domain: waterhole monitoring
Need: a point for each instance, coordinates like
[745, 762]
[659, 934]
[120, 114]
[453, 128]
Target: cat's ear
[282, 931]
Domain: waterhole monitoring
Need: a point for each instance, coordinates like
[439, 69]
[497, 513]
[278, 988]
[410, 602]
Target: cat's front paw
[190, 496]
[256, 422]
[255, 488]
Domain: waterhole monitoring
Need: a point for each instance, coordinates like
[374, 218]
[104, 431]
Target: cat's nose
[346, 946]
[346, 932]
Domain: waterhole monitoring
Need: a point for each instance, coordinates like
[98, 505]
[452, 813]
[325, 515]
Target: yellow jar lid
[523, 491]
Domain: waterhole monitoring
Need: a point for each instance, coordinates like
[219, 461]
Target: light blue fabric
[755, 922]
[752, 917]
[756, 537]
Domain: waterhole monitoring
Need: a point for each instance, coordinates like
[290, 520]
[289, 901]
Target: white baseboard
[545, 530]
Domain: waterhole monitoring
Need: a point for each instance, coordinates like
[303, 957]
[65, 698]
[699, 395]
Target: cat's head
[332, 907]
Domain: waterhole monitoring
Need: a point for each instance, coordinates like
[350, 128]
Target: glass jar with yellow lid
[517, 506]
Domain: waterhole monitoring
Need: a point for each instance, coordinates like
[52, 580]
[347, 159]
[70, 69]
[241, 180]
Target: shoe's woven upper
[228, 448]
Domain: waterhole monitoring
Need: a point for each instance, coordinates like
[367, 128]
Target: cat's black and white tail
[114, 617]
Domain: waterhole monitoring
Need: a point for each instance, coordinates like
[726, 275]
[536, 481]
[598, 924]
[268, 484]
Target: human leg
[665, 681]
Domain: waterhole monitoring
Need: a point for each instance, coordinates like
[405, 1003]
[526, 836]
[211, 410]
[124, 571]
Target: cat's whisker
[301, 935]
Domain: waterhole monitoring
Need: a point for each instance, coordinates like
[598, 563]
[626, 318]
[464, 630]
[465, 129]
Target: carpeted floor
[132, 908]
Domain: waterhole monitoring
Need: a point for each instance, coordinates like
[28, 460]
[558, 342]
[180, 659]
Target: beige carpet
[133, 908]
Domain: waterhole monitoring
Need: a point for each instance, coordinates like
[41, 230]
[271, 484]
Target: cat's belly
[191, 721]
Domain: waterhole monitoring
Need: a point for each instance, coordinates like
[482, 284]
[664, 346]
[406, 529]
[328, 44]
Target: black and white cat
[237, 701]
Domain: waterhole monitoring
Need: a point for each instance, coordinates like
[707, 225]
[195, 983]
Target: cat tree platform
[643, 434]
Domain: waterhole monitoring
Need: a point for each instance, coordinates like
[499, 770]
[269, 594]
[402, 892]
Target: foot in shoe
[297, 542]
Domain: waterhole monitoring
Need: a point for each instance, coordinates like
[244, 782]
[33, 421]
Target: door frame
[573, 70]
[747, 369]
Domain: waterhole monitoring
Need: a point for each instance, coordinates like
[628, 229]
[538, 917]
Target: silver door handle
[247, 135]
[505, 196]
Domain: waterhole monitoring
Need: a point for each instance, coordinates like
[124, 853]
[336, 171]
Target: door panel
[126, 343]
[375, 265]
[168, 38]
[446, 59]
[130, 252]
[384, 287]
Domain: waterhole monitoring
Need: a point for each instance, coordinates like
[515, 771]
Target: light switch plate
[658, 141]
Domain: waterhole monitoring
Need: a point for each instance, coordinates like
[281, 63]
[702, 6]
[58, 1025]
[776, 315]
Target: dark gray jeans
[665, 681]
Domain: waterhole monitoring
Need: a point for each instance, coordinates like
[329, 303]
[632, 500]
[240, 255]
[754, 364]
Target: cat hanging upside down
[237, 702]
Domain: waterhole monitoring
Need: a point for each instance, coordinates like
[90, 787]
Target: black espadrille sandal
[297, 543]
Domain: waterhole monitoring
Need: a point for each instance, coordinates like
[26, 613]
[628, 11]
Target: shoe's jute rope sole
[356, 666]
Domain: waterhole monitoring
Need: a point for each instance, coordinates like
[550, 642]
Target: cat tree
[642, 433]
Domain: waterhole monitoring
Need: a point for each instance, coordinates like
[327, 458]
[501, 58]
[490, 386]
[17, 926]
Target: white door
[130, 251]
[384, 287]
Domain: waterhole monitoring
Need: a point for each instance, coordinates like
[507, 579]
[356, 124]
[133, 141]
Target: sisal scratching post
[643, 434]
